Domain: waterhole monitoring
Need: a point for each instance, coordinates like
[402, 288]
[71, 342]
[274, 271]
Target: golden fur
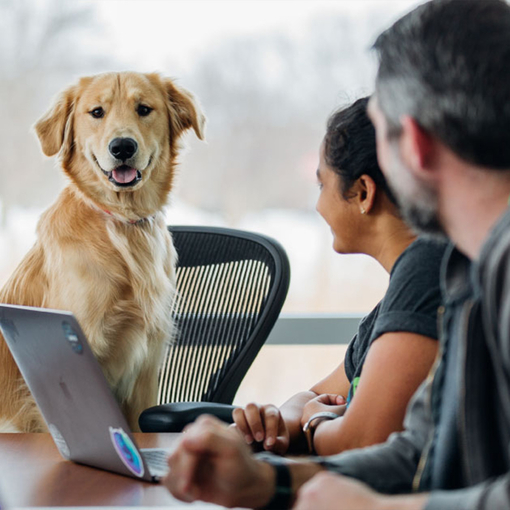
[103, 251]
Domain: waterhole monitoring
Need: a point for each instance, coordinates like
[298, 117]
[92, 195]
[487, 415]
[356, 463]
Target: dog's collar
[132, 222]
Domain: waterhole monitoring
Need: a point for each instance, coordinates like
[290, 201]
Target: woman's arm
[281, 429]
[396, 364]
[291, 412]
[335, 383]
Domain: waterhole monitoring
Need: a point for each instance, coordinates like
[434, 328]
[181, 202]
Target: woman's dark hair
[350, 150]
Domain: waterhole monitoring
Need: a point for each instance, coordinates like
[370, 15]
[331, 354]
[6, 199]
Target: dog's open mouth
[124, 176]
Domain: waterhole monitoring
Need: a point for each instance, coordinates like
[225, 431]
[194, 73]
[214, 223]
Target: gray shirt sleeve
[391, 467]
[490, 495]
[463, 499]
[493, 494]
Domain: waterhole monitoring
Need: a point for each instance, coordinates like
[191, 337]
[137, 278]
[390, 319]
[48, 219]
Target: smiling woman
[395, 345]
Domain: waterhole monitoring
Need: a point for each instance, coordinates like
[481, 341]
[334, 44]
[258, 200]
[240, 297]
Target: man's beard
[417, 200]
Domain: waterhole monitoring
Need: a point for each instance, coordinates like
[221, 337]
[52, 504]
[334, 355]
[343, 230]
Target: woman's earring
[363, 211]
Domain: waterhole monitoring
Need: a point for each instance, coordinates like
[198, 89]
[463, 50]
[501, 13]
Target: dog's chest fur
[141, 319]
[121, 289]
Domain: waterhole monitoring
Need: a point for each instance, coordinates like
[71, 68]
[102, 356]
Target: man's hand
[326, 402]
[264, 424]
[327, 491]
[212, 463]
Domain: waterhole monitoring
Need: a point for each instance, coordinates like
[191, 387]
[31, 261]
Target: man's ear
[55, 128]
[184, 110]
[416, 145]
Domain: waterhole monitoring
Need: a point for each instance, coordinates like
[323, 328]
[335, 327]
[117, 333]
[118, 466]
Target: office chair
[231, 287]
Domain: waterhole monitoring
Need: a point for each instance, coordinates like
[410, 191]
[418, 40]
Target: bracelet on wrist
[311, 425]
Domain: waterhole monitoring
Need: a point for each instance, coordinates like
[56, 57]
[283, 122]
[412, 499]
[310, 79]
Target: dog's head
[117, 132]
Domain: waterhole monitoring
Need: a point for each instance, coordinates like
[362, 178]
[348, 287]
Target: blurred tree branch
[267, 98]
[41, 49]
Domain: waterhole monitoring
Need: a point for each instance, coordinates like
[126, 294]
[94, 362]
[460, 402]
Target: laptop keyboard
[156, 459]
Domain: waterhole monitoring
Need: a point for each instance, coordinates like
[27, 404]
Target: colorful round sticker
[127, 451]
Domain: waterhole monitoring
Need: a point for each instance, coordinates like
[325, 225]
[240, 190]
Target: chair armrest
[174, 417]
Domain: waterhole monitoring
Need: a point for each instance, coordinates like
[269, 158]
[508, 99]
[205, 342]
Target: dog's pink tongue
[124, 175]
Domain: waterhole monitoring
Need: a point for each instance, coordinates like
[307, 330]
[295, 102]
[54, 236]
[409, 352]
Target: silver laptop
[73, 396]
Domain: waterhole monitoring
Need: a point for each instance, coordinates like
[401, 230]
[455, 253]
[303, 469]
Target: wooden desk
[33, 474]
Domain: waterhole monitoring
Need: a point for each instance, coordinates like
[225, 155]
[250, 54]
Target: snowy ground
[322, 281]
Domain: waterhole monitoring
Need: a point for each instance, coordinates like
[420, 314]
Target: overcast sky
[152, 31]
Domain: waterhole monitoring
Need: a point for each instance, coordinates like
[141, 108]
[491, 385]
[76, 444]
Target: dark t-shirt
[410, 304]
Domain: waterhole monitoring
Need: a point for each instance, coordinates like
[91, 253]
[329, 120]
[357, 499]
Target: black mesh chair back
[231, 287]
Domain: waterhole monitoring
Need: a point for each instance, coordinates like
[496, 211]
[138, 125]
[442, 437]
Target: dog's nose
[122, 148]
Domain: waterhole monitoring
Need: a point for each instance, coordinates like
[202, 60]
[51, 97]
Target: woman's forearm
[291, 412]
[331, 437]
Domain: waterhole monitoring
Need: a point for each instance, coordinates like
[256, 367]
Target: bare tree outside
[267, 99]
[266, 94]
[40, 51]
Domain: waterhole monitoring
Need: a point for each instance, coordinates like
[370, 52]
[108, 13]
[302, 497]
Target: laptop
[73, 396]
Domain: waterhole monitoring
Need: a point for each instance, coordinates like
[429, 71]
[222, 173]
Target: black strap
[282, 498]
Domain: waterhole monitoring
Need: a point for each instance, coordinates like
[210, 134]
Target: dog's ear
[184, 110]
[54, 128]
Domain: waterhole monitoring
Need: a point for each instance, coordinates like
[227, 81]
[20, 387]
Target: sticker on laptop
[127, 451]
[62, 446]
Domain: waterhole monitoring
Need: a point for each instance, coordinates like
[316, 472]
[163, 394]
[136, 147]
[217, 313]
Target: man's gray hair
[447, 65]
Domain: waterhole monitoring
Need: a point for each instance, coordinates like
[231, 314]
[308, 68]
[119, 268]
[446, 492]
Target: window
[267, 73]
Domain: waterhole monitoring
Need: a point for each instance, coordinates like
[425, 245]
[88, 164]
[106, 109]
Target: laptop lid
[70, 389]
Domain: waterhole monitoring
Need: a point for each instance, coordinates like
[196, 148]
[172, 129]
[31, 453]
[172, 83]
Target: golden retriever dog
[103, 250]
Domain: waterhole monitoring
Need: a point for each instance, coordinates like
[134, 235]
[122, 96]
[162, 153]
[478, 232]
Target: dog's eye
[143, 110]
[97, 113]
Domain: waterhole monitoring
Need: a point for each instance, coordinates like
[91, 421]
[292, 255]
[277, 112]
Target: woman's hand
[263, 424]
[326, 402]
